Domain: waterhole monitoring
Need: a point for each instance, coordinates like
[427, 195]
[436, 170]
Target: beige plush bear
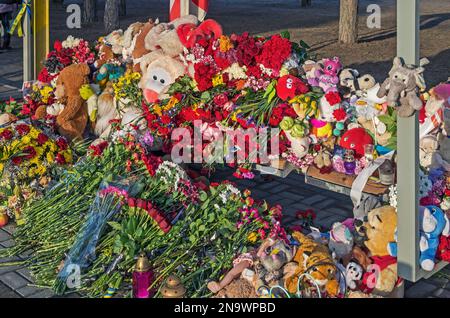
[164, 36]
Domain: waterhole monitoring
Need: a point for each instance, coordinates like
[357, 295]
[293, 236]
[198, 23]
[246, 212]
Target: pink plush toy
[328, 76]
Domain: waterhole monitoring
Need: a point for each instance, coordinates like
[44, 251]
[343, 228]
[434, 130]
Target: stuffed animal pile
[155, 77]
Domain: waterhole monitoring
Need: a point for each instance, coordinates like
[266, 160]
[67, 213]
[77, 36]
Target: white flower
[70, 42]
[236, 72]
[393, 196]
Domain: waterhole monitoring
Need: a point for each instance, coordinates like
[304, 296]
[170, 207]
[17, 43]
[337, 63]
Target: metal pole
[184, 8]
[28, 58]
[408, 35]
[41, 27]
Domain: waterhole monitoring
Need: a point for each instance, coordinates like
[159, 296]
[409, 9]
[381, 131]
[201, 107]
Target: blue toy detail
[433, 223]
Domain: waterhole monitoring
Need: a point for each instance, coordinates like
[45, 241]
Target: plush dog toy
[350, 81]
[72, 121]
[434, 223]
[159, 71]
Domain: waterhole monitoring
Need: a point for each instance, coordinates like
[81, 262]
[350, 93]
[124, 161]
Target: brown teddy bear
[72, 121]
[139, 49]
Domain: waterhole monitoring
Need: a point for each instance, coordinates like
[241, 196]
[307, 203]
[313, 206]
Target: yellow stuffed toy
[314, 259]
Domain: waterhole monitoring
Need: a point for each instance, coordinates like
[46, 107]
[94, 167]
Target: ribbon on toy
[199, 6]
[25, 8]
[361, 180]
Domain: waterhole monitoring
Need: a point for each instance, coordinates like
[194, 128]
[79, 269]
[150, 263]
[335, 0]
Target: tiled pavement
[292, 193]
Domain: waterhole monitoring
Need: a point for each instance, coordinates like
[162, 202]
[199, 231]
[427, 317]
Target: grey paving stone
[325, 204]
[314, 199]
[341, 211]
[7, 269]
[6, 292]
[284, 202]
[4, 236]
[44, 293]
[25, 273]
[442, 293]
[301, 206]
[291, 195]
[420, 289]
[9, 228]
[27, 291]
[13, 280]
[7, 243]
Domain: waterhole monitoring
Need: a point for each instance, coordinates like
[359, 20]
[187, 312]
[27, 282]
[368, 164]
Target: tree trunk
[89, 11]
[348, 22]
[123, 8]
[111, 18]
[305, 3]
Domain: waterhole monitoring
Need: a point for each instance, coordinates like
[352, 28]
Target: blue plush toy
[433, 223]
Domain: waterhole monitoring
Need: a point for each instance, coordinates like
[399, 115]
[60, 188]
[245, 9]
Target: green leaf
[285, 34]
[303, 44]
[115, 225]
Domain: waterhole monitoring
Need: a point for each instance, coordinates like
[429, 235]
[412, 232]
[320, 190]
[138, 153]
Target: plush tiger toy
[314, 259]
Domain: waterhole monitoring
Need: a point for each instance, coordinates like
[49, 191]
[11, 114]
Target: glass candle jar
[349, 162]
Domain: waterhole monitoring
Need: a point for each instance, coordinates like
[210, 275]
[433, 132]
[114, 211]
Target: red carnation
[339, 114]
[6, 134]
[221, 99]
[62, 143]
[333, 98]
[30, 152]
[60, 159]
[42, 138]
[22, 129]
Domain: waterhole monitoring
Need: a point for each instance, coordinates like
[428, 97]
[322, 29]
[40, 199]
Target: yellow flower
[26, 140]
[252, 237]
[50, 157]
[284, 71]
[68, 156]
[217, 80]
[157, 110]
[1, 168]
[234, 117]
[225, 43]
[172, 102]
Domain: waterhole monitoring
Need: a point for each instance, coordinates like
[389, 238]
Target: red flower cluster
[339, 114]
[204, 73]
[279, 112]
[23, 129]
[333, 98]
[274, 52]
[62, 143]
[153, 211]
[247, 48]
[98, 149]
[6, 134]
[42, 138]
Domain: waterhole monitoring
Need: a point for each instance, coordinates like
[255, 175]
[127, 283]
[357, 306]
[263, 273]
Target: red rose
[62, 143]
[274, 52]
[6, 134]
[333, 98]
[22, 129]
[30, 152]
[447, 193]
[60, 159]
[339, 114]
[42, 138]
[220, 99]
[57, 46]
[165, 119]
[17, 160]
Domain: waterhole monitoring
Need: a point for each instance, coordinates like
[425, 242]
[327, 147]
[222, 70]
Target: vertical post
[41, 29]
[408, 35]
[28, 58]
[184, 8]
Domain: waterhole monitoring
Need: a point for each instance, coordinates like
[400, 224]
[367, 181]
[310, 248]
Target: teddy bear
[328, 76]
[105, 54]
[314, 259]
[433, 224]
[164, 36]
[129, 39]
[428, 152]
[7, 118]
[350, 82]
[72, 121]
[379, 230]
[138, 48]
[106, 111]
[159, 71]
[402, 87]
[377, 128]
